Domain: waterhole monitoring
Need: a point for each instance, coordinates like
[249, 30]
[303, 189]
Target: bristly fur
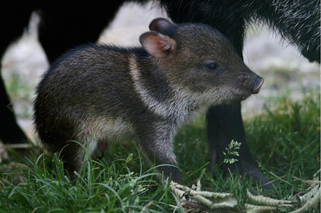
[297, 21]
[96, 93]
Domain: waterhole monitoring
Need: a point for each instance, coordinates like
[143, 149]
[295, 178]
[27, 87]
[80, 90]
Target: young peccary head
[201, 61]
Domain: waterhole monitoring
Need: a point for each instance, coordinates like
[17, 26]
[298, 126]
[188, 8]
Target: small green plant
[231, 151]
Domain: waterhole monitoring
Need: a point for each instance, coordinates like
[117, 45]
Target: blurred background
[285, 71]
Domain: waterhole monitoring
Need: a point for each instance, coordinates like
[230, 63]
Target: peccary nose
[258, 84]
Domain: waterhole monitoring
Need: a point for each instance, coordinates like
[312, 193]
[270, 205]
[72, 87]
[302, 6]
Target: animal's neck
[161, 98]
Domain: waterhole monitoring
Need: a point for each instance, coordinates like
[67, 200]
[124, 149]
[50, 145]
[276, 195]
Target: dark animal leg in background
[10, 132]
[15, 18]
[224, 124]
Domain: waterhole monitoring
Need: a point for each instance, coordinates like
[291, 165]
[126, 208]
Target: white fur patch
[92, 131]
[176, 107]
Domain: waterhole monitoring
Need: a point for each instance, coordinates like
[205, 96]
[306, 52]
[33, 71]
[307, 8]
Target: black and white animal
[95, 93]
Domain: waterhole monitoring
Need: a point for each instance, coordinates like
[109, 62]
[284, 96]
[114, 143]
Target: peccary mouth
[243, 97]
[259, 82]
[240, 95]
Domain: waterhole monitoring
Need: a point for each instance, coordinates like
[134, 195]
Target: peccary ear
[159, 24]
[156, 44]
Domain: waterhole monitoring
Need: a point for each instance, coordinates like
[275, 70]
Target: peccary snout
[249, 82]
[258, 84]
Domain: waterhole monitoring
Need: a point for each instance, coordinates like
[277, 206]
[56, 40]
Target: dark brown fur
[95, 93]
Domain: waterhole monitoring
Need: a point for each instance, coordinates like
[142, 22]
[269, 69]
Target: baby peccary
[95, 93]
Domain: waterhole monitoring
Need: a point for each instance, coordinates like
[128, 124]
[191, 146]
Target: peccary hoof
[249, 170]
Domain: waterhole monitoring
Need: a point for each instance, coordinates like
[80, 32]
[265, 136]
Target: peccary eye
[211, 66]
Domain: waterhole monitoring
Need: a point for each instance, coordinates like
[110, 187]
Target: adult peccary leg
[10, 132]
[18, 14]
[224, 124]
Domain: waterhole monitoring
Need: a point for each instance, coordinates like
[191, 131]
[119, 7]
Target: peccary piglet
[96, 93]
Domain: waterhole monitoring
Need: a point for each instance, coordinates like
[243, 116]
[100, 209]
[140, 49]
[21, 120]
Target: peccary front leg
[157, 145]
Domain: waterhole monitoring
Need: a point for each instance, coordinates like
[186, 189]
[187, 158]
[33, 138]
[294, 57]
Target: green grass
[285, 140]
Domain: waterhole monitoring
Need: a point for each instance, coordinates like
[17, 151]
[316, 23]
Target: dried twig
[315, 199]
[256, 209]
[259, 199]
[226, 202]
